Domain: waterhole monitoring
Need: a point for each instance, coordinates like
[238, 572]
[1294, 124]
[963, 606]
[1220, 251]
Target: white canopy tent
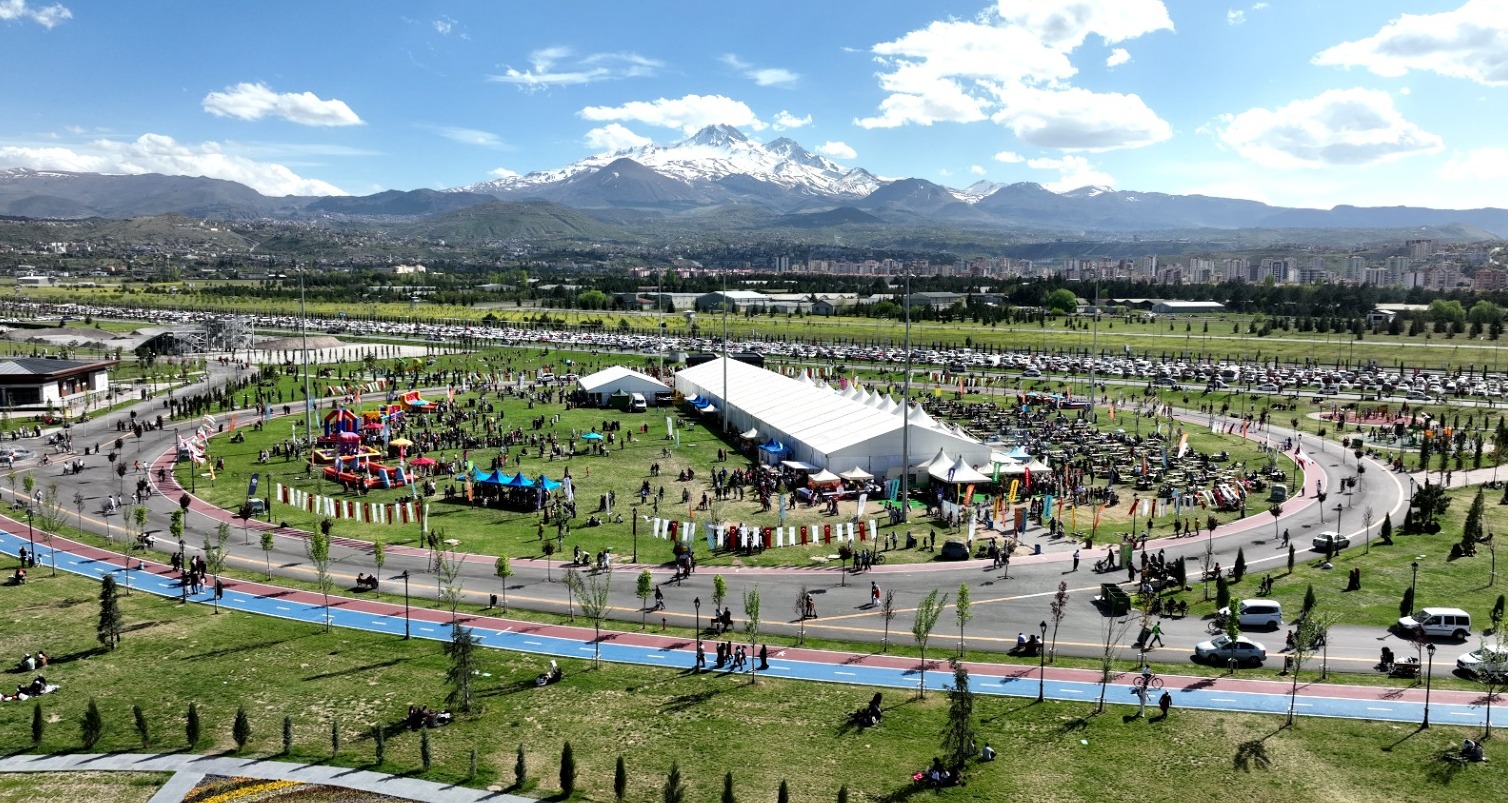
[820, 426]
[855, 474]
[603, 384]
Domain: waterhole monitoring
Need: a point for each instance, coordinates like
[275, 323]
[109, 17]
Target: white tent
[603, 384]
[960, 473]
[855, 474]
[819, 426]
[824, 477]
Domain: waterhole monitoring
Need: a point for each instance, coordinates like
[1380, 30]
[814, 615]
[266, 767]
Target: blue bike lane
[1226, 693]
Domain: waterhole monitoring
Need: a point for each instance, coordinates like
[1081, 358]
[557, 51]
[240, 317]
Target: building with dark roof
[41, 383]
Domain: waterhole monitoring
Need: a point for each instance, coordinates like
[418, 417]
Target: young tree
[287, 735]
[448, 575]
[241, 730]
[335, 737]
[751, 626]
[1115, 633]
[461, 650]
[783, 794]
[921, 630]
[674, 790]
[962, 613]
[111, 621]
[958, 734]
[1239, 569]
[1309, 600]
[595, 593]
[1291, 556]
[426, 753]
[143, 730]
[719, 591]
[379, 557]
[379, 745]
[1471, 531]
[317, 548]
[1406, 605]
[567, 771]
[1492, 673]
[887, 613]
[503, 569]
[1222, 593]
[1385, 532]
[1233, 628]
[1305, 641]
[38, 724]
[800, 608]
[620, 780]
[191, 726]
[91, 725]
[520, 768]
[644, 587]
[268, 542]
[1058, 608]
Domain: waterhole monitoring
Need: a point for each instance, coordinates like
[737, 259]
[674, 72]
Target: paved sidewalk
[188, 770]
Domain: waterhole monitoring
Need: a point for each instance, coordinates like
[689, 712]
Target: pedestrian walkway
[1257, 691]
[189, 770]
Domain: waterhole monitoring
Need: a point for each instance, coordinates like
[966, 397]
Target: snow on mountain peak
[1087, 192]
[713, 153]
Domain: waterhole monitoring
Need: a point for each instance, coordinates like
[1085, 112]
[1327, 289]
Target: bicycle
[1147, 682]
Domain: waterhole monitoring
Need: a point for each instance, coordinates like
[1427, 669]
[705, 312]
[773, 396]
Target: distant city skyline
[1381, 103]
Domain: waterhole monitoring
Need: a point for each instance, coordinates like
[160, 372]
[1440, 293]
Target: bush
[620, 780]
[142, 730]
[520, 769]
[38, 724]
[567, 770]
[241, 730]
[91, 726]
[191, 726]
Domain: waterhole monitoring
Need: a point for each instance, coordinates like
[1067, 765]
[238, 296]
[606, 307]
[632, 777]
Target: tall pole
[726, 304]
[1094, 339]
[405, 603]
[1042, 661]
[1429, 675]
[906, 409]
[698, 603]
[303, 328]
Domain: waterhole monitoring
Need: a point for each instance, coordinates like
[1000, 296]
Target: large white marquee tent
[603, 384]
[821, 426]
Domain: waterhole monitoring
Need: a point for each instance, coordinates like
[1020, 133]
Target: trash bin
[1036, 549]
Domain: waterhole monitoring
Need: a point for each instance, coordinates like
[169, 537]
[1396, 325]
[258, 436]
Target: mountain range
[718, 169]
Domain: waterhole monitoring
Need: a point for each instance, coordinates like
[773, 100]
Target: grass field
[709, 724]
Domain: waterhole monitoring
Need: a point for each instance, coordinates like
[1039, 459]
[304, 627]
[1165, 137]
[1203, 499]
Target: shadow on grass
[233, 650]
[1407, 736]
[1444, 768]
[685, 702]
[1252, 754]
[354, 670]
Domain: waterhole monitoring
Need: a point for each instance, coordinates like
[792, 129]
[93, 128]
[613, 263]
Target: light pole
[303, 328]
[1429, 674]
[404, 576]
[31, 536]
[1041, 660]
[1339, 509]
[183, 571]
[1414, 583]
[697, 603]
[906, 409]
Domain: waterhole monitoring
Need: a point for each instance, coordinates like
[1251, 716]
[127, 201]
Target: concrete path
[188, 770]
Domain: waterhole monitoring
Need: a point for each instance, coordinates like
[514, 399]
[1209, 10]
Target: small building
[618, 379]
[40, 383]
[1188, 307]
[733, 300]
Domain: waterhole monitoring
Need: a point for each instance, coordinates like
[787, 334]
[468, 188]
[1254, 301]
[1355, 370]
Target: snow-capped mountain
[716, 164]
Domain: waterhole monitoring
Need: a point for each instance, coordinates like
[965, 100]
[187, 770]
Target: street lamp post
[32, 537]
[1414, 583]
[183, 571]
[1339, 509]
[1042, 661]
[697, 603]
[405, 603]
[1429, 674]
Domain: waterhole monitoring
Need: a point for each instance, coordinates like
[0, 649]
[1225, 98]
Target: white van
[636, 403]
[1255, 613]
[1438, 623]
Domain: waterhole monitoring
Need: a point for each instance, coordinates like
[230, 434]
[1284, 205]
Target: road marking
[1070, 691]
[1463, 714]
[1221, 700]
[381, 622]
[283, 607]
[1304, 705]
[533, 643]
[849, 674]
[1377, 708]
[654, 656]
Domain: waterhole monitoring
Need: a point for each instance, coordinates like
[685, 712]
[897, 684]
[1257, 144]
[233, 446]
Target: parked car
[1254, 613]
[953, 549]
[1221, 649]
[1473, 663]
[1330, 541]
[1438, 623]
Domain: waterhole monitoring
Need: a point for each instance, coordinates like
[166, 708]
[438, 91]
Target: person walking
[1164, 703]
[1075, 561]
[874, 595]
[1155, 635]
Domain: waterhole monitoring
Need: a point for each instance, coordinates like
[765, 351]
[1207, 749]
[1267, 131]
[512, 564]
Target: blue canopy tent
[547, 483]
[519, 481]
[496, 477]
[1018, 453]
[592, 436]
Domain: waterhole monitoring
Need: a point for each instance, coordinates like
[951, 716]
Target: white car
[1221, 649]
[1473, 663]
[1330, 541]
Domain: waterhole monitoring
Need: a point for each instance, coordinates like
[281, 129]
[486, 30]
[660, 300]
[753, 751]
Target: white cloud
[158, 153]
[613, 137]
[1009, 157]
[45, 16]
[471, 136]
[1235, 16]
[1073, 172]
[965, 71]
[1118, 57]
[1477, 166]
[977, 170]
[1337, 127]
[1078, 119]
[784, 120]
[502, 172]
[1470, 42]
[689, 113]
[248, 101]
[543, 73]
[763, 76]
[444, 25]
[837, 150]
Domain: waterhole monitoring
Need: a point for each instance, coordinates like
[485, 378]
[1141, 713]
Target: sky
[1362, 102]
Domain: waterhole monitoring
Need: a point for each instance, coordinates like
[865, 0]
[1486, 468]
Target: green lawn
[710, 724]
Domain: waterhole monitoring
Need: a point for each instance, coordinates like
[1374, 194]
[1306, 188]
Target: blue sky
[1296, 103]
